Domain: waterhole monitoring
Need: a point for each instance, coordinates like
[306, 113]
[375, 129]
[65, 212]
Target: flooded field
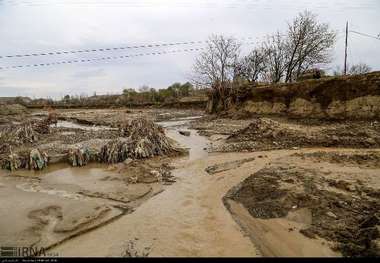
[219, 197]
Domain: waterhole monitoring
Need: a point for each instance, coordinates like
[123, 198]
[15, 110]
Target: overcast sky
[28, 26]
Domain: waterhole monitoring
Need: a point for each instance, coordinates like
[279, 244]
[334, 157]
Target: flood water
[196, 144]
[187, 219]
[61, 186]
[69, 124]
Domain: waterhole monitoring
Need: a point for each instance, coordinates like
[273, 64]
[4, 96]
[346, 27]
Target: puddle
[69, 124]
[59, 178]
[177, 122]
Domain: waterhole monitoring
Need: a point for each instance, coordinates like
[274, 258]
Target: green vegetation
[176, 93]
[150, 95]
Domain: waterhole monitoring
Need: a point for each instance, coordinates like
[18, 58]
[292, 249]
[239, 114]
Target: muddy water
[53, 196]
[196, 144]
[69, 124]
[187, 219]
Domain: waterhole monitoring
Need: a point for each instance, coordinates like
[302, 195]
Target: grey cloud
[69, 27]
[90, 74]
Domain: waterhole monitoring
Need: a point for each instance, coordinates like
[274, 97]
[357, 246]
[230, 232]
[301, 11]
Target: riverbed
[96, 211]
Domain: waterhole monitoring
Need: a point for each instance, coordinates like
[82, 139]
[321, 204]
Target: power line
[363, 34]
[53, 53]
[104, 58]
[98, 59]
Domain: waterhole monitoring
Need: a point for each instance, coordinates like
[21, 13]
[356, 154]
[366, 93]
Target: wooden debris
[141, 139]
[35, 160]
[80, 156]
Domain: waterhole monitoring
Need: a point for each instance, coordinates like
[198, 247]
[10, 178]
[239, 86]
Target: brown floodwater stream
[187, 219]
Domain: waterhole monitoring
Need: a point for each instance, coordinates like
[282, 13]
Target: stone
[184, 133]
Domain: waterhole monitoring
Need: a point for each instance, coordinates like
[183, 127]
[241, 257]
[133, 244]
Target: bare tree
[308, 43]
[360, 68]
[252, 67]
[276, 59]
[144, 88]
[215, 66]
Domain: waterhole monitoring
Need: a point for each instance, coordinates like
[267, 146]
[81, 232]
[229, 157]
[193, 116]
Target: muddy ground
[113, 117]
[264, 133]
[340, 202]
[294, 187]
[45, 208]
[336, 192]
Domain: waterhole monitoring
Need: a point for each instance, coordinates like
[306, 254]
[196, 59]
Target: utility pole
[345, 51]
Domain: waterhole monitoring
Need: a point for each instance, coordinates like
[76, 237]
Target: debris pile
[80, 156]
[141, 139]
[18, 134]
[136, 129]
[163, 174]
[42, 126]
[5, 148]
[11, 163]
[27, 132]
[35, 160]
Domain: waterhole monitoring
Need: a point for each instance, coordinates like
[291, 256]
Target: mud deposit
[48, 207]
[261, 133]
[244, 187]
[60, 203]
[339, 204]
